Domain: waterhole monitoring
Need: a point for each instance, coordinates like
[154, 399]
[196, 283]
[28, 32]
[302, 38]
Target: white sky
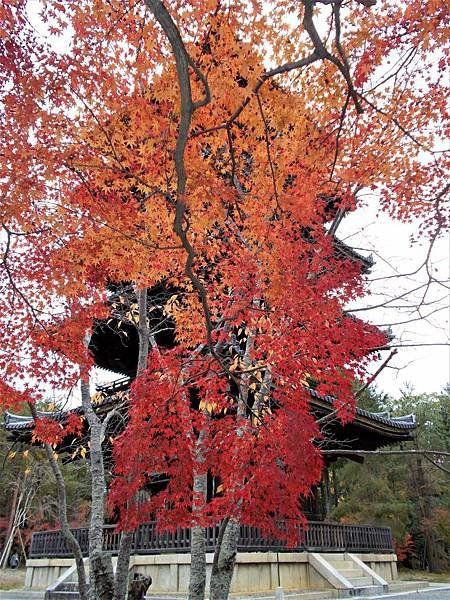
[427, 368]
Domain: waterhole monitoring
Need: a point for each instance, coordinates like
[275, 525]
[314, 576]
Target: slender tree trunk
[9, 531]
[224, 561]
[12, 513]
[226, 550]
[62, 505]
[126, 540]
[328, 499]
[123, 565]
[434, 552]
[20, 516]
[335, 486]
[100, 564]
[197, 581]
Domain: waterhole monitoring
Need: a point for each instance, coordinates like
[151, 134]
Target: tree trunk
[226, 549]
[126, 540]
[197, 581]
[101, 576]
[123, 565]
[9, 532]
[224, 561]
[62, 505]
[434, 552]
[100, 564]
[328, 500]
[12, 515]
[335, 487]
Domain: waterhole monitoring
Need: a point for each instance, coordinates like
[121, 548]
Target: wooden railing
[325, 537]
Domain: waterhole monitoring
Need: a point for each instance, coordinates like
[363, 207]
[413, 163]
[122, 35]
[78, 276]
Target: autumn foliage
[285, 130]
[51, 431]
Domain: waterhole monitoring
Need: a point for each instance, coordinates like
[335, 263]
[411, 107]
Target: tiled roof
[403, 422]
[341, 247]
[14, 422]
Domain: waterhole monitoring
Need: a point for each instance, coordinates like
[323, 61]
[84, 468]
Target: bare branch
[375, 375]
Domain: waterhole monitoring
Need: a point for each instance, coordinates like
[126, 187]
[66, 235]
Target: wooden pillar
[327, 497]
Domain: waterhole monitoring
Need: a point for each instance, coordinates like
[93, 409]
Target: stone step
[70, 586]
[352, 573]
[341, 564]
[336, 558]
[360, 582]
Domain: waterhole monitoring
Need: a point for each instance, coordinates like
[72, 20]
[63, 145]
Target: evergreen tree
[408, 493]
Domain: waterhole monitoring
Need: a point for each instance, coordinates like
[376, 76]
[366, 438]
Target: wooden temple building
[342, 558]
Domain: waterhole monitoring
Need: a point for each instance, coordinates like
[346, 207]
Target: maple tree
[212, 147]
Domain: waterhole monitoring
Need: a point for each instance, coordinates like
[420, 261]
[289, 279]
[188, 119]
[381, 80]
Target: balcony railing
[319, 537]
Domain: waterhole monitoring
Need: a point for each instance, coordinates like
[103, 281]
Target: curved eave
[379, 421]
[348, 252]
[367, 430]
[13, 422]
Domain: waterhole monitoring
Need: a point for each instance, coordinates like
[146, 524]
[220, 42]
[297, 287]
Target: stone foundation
[254, 571]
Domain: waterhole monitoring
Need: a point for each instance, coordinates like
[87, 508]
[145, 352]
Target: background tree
[408, 493]
[28, 500]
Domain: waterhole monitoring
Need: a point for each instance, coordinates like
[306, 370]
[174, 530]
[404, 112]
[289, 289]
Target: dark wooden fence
[320, 537]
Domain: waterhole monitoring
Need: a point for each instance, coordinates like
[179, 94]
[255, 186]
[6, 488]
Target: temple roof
[348, 252]
[406, 422]
[380, 424]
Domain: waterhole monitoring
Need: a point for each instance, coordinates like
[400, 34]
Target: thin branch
[375, 375]
[269, 157]
[282, 69]
[409, 345]
[336, 149]
[437, 465]
[320, 49]
[187, 108]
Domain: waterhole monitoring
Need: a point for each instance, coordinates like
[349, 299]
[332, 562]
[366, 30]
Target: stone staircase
[66, 586]
[65, 591]
[348, 575]
[349, 570]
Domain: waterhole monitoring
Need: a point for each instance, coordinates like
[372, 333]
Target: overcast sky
[427, 368]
